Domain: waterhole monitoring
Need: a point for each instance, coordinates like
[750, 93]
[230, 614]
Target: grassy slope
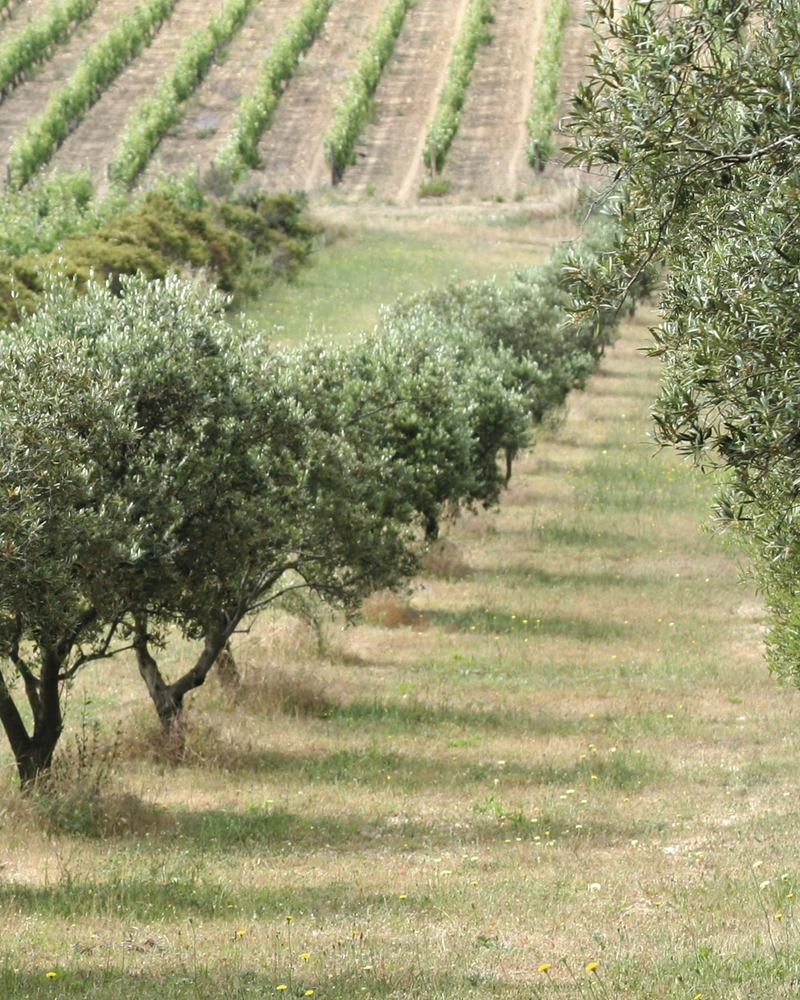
[375, 254]
[567, 752]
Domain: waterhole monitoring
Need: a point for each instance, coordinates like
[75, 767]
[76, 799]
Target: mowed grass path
[562, 749]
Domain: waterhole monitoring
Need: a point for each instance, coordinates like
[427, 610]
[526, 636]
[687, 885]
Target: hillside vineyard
[133, 92]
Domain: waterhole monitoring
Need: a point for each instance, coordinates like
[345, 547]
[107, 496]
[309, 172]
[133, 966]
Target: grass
[347, 279]
[569, 751]
[434, 187]
[367, 260]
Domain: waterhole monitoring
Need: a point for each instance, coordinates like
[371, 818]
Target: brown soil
[390, 151]
[94, 142]
[292, 149]
[210, 113]
[487, 160]
[17, 15]
[488, 155]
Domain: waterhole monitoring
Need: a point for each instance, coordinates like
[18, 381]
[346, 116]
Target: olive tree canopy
[692, 118]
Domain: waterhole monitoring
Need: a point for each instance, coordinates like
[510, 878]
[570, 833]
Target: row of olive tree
[166, 473]
[162, 471]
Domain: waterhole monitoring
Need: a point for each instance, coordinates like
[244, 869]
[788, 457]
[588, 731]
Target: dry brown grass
[445, 560]
[390, 611]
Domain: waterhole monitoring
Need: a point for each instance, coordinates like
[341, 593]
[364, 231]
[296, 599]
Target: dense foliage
[178, 485]
[526, 325]
[195, 476]
[173, 227]
[51, 207]
[692, 115]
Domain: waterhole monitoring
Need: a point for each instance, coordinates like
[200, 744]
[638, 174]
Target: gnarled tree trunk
[168, 697]
[33, 753]
[227, 670]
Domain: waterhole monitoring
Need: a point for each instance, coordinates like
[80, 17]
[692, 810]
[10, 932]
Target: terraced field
[487, 158]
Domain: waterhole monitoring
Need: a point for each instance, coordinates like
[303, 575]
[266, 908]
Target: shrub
[170, 228]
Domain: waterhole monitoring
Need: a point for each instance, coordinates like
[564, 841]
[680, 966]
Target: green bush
[434, 187]
[48, 209]
[171, 229]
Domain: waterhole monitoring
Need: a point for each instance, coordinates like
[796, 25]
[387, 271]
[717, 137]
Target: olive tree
[692, 120]
[437, 407]
[62, 531]
[163, 475]
[524, 331]
[233, 491]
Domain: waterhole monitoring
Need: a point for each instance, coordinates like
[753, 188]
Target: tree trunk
[431, 527]
[511, 454]
[36, 761]
[34, 754]
[168, 698]
[227, 670]
[168, 703]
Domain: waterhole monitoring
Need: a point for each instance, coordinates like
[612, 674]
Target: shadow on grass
[152, 885]
[270, 828]
[410, 981]
[533, 575]
[373, 768]
[491, 622]
[409, 715]
[568, 535]
[149, 898]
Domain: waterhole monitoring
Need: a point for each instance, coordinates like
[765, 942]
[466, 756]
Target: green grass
[350, 276]
[340, 291]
